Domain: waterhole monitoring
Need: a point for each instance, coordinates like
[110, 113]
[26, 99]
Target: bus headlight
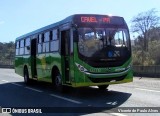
[81, 68]
[122, 69]
[129, 66]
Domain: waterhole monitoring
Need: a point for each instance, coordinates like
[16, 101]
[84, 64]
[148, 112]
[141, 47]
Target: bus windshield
[96, 42]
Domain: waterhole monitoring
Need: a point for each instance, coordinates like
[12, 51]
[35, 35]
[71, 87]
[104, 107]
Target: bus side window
[47, 39]
[55, 34]
[40, 43]
[21, 47]
[54, 44]
[22, 43]
[27, 44]
[17, 48]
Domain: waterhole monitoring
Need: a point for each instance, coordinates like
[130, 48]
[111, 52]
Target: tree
[154, 34]
[7, 51]
[143, 22]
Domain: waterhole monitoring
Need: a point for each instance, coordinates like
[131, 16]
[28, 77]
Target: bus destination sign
[99, 20]
[92, 19]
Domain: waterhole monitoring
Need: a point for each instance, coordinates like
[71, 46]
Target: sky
[18, 17]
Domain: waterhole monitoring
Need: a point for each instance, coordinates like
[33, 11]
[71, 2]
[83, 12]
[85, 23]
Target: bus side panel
[55, 62]
[27, 62]
[19, 63]
[45, 63]
[41, 65]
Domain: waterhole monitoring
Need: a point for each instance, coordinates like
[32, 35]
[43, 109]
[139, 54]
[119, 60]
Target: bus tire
[26, 76]
[57, 80]
[103, 87]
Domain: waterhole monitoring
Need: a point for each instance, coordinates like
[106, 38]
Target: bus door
[33, 57]
[65, 52]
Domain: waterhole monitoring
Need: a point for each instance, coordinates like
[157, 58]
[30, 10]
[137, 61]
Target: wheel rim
[25, 78]
[58, 81]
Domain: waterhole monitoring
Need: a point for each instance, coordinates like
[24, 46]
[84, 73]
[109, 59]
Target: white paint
[104, 114]
[67, 99]
[96, 114]
[5, 81]
[33, 89]
[147, 90]
[117, 114]
[16, 84]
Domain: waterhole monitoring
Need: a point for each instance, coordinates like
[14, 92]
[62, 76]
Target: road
[144, 92]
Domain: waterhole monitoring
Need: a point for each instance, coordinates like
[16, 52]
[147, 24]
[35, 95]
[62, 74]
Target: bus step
[68, 82]
[35, 76]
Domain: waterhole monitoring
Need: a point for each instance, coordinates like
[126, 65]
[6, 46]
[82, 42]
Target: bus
[80, 50]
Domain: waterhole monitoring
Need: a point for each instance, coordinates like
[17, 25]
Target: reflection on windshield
[92, 40]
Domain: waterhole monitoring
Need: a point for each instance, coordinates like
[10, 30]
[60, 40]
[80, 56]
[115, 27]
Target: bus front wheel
[26, 76]
[57, 82]
[103, 87]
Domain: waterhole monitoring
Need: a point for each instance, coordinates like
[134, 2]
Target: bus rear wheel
[103, 87]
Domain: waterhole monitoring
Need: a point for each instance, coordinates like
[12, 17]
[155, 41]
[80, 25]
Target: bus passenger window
[27, 44]
[22, 43]
[46, 42]
[47, 47]
[40, 43]
[43, 47]
[17, 51]
[17, 48]
[54, 45]
[21, 47]
[40, 38]
[39, 48]
[55, 34]
[17, 44]
[46, 36]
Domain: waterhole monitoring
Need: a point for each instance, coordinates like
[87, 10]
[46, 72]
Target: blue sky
[18, 17]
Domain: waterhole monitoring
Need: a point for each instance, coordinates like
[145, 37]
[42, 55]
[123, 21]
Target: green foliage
[154, 47]
[7, 52]
[145, 25]
[146, 58]
[147, 44]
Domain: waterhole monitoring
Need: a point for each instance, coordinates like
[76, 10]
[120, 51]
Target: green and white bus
[81, 50]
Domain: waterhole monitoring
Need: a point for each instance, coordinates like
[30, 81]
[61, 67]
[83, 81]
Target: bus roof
[77, 18]
[68, 19]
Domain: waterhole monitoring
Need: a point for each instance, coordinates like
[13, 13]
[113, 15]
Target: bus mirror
[28, 48]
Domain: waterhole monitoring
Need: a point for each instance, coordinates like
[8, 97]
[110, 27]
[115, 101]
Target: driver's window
[118, 38]
[126, 41]
[89, 35]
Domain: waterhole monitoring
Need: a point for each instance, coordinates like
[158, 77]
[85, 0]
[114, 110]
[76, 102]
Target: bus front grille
[101, 80]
